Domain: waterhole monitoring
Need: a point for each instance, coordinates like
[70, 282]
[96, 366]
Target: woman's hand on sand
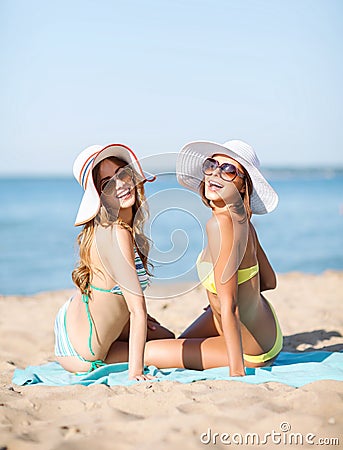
[150, 323]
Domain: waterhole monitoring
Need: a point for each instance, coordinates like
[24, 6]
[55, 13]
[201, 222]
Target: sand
[169, 415]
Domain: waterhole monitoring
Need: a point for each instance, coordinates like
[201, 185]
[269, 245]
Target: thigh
[202, 327]
[196, 353]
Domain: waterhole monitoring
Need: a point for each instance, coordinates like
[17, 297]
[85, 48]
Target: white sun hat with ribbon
[83, 172]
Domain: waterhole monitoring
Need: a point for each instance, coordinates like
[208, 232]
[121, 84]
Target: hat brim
[89, 206]
[189, 173]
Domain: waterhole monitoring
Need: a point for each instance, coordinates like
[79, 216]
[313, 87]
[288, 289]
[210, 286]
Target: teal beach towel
[293, 369]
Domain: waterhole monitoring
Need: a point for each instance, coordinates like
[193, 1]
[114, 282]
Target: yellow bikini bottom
[277, 347]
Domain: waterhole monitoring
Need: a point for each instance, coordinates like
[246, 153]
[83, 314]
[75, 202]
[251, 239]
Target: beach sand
[169, 415]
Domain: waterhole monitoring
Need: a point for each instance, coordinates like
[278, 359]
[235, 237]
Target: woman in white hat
[239, 328]
[106, 321]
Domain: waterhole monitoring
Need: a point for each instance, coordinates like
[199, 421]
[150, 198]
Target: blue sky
[156, 74]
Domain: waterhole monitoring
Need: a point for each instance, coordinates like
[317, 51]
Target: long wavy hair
[83, 272]
[245, 196]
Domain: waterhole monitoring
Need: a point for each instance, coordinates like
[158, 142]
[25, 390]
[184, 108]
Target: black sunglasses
[227, 171]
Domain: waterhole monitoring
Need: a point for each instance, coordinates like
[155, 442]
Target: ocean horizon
[163, 167]
[38, 250]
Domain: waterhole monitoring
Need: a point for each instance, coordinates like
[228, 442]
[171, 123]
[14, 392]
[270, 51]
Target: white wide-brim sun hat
[83, 172]
[192, 156]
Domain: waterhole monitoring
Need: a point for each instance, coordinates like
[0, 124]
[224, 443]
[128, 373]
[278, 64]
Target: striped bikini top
[143, 277]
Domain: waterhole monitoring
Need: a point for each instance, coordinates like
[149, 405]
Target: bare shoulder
[219, 234]
[114, 238]
[120, 233]
[219, 222]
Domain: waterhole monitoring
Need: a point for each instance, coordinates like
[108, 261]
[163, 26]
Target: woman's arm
[266, 272]
[224, 251]
[115, 248]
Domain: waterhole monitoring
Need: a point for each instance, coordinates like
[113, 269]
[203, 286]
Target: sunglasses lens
[229, 171]
[125, 174]
[209, 166]
[108, 187]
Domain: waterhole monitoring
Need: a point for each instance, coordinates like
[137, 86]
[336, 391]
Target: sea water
[38, 250]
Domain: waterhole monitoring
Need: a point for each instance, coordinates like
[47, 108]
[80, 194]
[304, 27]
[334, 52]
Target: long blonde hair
[83, 272]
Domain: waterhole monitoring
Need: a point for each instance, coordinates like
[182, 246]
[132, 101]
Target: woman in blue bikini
[106, 320]
[239, 328]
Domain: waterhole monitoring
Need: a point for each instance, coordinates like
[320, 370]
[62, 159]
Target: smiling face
[220, 191]
[115, 183]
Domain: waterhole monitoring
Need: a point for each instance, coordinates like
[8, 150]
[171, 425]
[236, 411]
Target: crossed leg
[193, 353]
[198, 347]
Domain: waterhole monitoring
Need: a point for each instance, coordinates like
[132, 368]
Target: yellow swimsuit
[206, 276]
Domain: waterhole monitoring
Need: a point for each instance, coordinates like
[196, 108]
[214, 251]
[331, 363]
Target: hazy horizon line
[166, 171]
